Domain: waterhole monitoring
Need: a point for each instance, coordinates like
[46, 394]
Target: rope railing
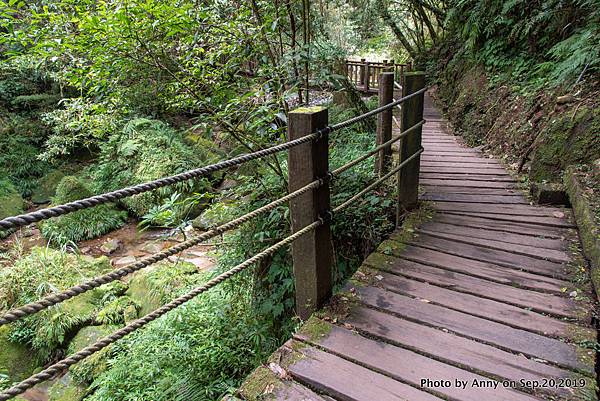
[32, 308]
[99, 345]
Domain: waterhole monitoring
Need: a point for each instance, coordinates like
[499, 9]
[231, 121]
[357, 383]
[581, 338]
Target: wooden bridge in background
[365, 74]
[476, 302]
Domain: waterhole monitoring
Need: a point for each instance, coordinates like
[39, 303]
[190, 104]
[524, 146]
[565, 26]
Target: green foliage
[42, 272]
[79, 124]
[146, 150]
[11, 202]
[83, 224]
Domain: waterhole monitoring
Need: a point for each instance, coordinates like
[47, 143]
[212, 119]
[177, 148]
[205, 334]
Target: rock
[46, 188]
[127, 260]
[203, 222]
[111, 246]
[85, 249]
[90, 368]
[152, 247]
[65, 389]
[549, 193]
[16, 361]
[227, 184]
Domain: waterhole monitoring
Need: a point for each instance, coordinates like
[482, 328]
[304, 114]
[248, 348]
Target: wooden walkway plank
[470, 177]
[384, 357]
[507, 216]
[481, 269]
[437, 168]
[450, 296]
[465, 284]
[458, 351]
[475, 328]
[553, 255]
[461, 228]
[508, 199]
[344, 380]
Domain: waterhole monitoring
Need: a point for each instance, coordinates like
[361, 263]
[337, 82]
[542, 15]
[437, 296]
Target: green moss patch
[11, 202]
[87, 370]
[16, 361]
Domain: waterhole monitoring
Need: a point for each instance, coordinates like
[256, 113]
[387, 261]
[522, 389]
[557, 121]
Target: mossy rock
[11, 202]
[16, 361]
[152, 288]
[83, 224]
[41, 272]
[90, 368]
[46, 188]
[66, 389]
[566, 141]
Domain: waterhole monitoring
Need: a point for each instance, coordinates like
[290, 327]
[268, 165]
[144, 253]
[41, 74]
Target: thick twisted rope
[373, 112]
[60, 366]
[378, 182]
[33, 217]
[375, 150]
[34, 307]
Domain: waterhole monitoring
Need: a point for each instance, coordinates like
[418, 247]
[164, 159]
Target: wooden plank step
[502, 258]
[425, 157]
[489, 309]
[452, 349]
[526, 210]
[510, 217]
[461, 197]
[470, 190]
[466, 183]
[445, 224]
[384, 357]
[473, 167]
[478, 329]
[482, 269]
[437, 168]
[329, 374]
[465, 284]
[501, 226]
[470, 177]
[553, 255]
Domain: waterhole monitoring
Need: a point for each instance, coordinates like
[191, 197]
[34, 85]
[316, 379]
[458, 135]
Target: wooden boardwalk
[470, 304]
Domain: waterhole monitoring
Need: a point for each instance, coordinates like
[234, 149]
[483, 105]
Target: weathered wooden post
[412, 113]
[384, 122]
[312, 254]
[361, 71]
[367, 80]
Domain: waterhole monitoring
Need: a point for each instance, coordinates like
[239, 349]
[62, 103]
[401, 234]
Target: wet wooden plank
[426, 189]
[525, 210]
[509, 199]
[437, 168]
[468, 176]
[451, 349]
[509, 216]
[482, 330]
[502, 258]
[507, 227]
[427, 157]
[536, 301]
[475, 168]
[384, 357]
[483, 269]
[466, 183]
[331, 375]
[449, 296]
[554, 255]
[466, 228]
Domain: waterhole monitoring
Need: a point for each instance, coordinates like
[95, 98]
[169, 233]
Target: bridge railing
[310, 206]
[365, 74]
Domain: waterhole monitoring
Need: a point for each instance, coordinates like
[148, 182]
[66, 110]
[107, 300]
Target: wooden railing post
[367, 80]
[312, 254]
[384, 122]
[412, 113]
[363, 64]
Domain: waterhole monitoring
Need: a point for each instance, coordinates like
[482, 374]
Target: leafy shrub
[146, 150]
[42, 272]
[79, 124]
[83, 224]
